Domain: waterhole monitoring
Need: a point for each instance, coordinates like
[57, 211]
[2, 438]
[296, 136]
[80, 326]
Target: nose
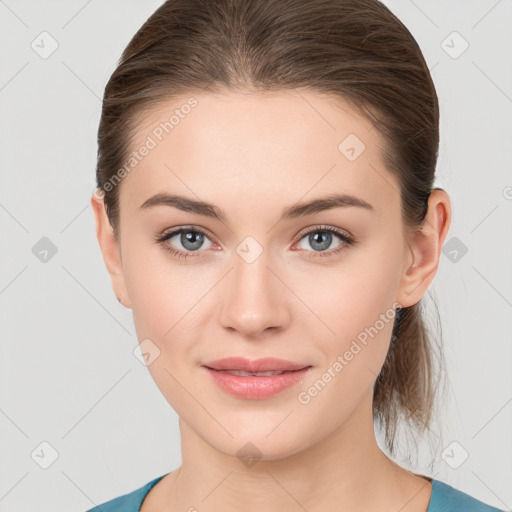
[254, 299]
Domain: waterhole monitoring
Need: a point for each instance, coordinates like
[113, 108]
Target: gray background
[68, 373]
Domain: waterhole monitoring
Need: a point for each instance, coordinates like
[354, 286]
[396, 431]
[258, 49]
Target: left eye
[321, 238]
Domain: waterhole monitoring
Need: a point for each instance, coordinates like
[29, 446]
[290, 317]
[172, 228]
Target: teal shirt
[444, 498]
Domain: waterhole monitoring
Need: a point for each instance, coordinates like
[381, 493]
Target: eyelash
[347, 241]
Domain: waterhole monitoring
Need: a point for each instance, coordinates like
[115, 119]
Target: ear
[425, 249]
[110, 248]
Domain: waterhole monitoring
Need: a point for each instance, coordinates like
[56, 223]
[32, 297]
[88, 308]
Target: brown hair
[356, 50]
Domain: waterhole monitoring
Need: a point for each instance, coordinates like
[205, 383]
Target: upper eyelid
[331, 229]
[179, 229]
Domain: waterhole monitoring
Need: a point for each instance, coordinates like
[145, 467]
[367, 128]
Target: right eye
[190, 239]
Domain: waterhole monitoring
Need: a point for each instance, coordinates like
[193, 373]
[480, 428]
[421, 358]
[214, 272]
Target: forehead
[288, 143]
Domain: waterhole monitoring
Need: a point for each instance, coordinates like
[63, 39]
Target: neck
[346, 471]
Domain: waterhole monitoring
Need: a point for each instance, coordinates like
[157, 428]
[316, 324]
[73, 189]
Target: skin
[253, 155]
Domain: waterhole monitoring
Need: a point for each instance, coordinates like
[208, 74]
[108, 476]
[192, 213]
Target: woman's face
[252, 282]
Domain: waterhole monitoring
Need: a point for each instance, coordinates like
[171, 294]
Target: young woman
[266, 208]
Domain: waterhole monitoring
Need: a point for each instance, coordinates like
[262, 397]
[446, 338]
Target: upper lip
[266, 364]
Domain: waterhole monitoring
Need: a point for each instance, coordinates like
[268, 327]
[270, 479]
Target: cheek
[150, 305]
[160, 294]
[343, 301]
[353, 318]
[361, 319]
[161, 301]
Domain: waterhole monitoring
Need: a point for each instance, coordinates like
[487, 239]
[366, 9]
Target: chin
[253, 444]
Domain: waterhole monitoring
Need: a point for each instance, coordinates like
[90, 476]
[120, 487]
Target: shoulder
[129, 502]
[445, 498]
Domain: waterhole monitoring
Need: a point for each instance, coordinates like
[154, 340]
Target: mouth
[241, 373]
[253, 382]
[257, 366]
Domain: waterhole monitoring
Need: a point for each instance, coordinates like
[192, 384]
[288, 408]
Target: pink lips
[255, 387]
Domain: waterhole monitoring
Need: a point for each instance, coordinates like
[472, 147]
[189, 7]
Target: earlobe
[425, 248]
[110, 249]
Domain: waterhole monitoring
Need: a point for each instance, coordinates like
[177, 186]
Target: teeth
[252, 374]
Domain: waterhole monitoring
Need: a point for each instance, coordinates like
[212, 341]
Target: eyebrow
[291, 212]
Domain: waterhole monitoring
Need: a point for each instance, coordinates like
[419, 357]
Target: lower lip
[256, 388]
